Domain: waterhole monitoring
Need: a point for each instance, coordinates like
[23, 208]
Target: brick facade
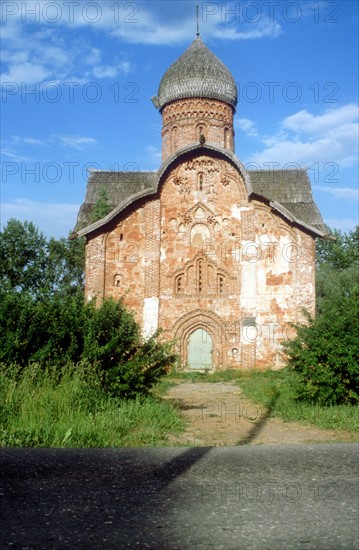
[186, 120]
[201, 255]
[203, 251]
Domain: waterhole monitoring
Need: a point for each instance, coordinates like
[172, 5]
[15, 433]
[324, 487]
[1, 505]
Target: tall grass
[68, 408]
[277, 390]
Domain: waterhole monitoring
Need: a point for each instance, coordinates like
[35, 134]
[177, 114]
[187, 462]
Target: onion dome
[197, 73]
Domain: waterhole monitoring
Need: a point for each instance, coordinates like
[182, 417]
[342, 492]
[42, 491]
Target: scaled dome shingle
[197, 73]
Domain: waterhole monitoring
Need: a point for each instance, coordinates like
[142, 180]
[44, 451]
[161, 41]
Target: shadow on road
[108, 498]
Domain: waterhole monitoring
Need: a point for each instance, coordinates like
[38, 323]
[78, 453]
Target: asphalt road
[248, 497]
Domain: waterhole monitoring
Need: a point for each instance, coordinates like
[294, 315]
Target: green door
[200, 350]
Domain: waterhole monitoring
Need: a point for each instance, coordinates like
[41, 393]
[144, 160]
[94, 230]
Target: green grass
[275, 390]
[69, 409]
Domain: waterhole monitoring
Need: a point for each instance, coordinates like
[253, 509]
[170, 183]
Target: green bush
[325, 353]
[44, 331]
[130, 366]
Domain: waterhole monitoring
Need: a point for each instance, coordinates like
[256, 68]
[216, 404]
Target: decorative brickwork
[186, 120]
[152, 248]
[222, 270]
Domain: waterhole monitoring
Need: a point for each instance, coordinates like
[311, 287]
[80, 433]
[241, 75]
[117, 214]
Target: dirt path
[217, 414]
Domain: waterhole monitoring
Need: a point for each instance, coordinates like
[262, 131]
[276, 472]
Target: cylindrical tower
[197, 98]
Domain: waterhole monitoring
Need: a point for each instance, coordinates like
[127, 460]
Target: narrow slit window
[200, 182]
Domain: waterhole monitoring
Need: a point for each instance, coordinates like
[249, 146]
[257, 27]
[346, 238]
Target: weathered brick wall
[201, 255]
[186, 119]
[200, 281]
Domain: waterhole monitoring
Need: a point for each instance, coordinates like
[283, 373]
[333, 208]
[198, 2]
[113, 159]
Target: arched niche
[199, 234]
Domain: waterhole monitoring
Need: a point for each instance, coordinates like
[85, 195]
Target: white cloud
[143, 22]
[263, 29]
[307, 139]
[247, 126]
[154, 155]
[111, 71]
[77, 142]
[29, 141]
[55, 220]
[94, 57]
[25, 72]
[104, 72]
[314, 125]
[339, 192]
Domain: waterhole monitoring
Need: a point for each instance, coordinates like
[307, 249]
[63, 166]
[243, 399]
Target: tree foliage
[325, 352]
[44, 320]
[23, 257]
[102, 206]
[129, 364]
[31, 263]
[340, 251]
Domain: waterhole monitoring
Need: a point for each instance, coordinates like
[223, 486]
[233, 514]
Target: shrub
[325, 353]
[43, 331]
[130, 366]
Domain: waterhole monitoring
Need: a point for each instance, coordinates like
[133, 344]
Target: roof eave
[103, 221]
[290, 217]
[209, 147]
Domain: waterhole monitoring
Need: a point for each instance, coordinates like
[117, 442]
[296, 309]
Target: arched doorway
[200, 350]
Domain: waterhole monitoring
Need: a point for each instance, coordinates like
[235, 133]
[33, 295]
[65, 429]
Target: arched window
[174, 138]
[200, 181]
[117, 281]
[220, 284]
[179, 284]
[200, 275]
[199, 235]
[226, 138]
[201, 131]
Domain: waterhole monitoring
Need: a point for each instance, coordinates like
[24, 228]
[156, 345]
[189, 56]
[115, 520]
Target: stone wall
[200, 255]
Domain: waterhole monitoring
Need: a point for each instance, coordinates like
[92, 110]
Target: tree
[23, 257]
[31, 263]
[339, 251]
[325, 352]
[65, 270]
[102, 206]
[41, 296]
[43, 317]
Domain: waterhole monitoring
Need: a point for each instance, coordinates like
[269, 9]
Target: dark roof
[119, 186]
[287, 191]
[291, 189]
[197, 73]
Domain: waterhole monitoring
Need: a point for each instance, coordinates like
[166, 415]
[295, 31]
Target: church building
[222, 259]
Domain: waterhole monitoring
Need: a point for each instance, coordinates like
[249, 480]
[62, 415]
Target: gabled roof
[197, 73]
[119, 186]
[287, 191]
[290, 193]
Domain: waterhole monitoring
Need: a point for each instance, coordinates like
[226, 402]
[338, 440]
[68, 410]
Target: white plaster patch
[236, 211]
[248, 285]
[150, 316]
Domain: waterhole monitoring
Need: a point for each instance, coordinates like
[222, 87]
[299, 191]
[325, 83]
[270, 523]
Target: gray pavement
[248, 497]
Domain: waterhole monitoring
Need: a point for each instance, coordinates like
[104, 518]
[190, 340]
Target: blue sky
[77, 78]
